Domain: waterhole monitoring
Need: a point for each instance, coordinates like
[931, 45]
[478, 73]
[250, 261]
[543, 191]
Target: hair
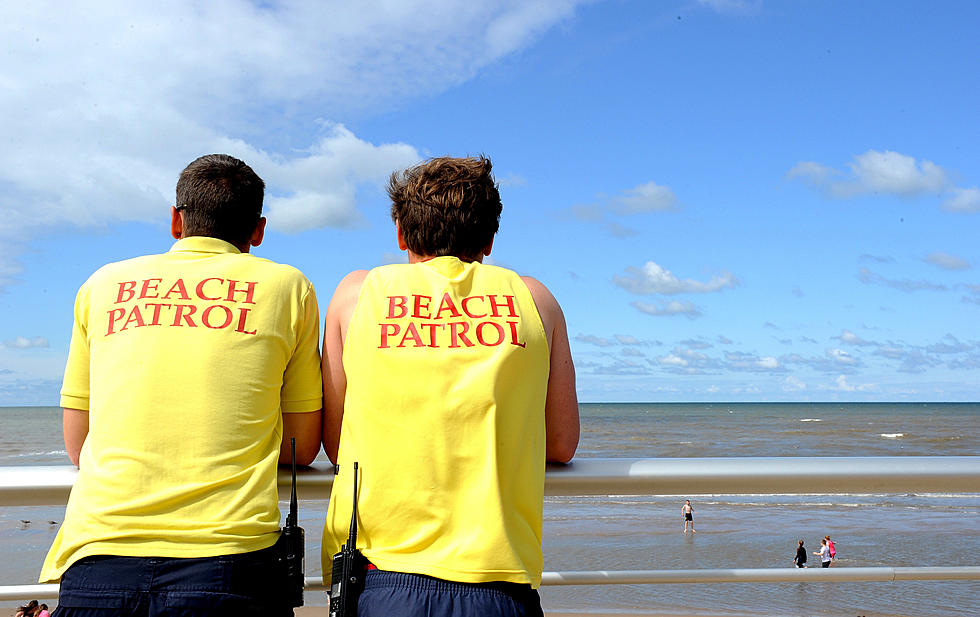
[801, 542]
[823, 542]
[220, 197]
[446, 206]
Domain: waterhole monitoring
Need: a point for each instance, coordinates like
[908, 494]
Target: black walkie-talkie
[293, 541]
[347, 573]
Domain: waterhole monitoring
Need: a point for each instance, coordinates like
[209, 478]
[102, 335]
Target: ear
[176, 223]
[486, 251]
[259, 234]
[402, 245]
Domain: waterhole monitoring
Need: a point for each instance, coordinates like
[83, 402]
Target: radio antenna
[352, 537]
[292, 516]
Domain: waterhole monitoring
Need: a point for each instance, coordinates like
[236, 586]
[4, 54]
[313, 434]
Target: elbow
[330, 446]
[308, 454]
[561, 453]
[561, 444]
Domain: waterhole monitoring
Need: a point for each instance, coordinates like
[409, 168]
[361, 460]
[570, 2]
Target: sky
[732, 200]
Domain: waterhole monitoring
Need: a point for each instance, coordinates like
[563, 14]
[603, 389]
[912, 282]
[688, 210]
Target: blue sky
[732, 200]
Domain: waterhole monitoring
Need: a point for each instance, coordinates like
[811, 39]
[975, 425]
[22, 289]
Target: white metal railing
[50, 485]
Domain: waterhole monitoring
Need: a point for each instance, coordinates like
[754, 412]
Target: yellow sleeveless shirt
[447, 371]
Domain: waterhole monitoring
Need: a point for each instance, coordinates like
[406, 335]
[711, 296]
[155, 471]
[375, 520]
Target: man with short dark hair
[188, 374]
[451, 383]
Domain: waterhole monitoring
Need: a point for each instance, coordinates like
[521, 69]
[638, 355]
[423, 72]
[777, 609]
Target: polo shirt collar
[203, 244]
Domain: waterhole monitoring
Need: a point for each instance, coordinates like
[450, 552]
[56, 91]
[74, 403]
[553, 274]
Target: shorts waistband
[383, 578]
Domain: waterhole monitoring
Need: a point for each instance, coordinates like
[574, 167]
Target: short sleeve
[75, 387]
[302, 383]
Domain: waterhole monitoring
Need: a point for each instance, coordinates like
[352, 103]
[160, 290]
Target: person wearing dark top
[800, 559]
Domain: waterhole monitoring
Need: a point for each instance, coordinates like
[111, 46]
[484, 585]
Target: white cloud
[849, 338]
[793, 384]
[812, 172]
[668, 308]
[592, 339]
[324, 183]
[963, 200]
[743, 361]
[672, 360]
[768, 362]
[649, 197]
[841, 384]
[891, 172]
[22, 342]
[947, 261]
[688, 362]
[523, 22]
[839, 356]
[875, 172]
[627, 339]
[655, 279]
[105, 102]
[512, 181]
[873, 278]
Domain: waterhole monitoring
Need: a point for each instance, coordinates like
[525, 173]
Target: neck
[415, 259]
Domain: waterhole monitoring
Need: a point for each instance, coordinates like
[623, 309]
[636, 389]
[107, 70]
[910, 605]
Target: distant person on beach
[800, 559]
[188, 373]
[43, 612]
[824, 553]
[831, 548]
[688, 513]
[450, 382]
[27, 610]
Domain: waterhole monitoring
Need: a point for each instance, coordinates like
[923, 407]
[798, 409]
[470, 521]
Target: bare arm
[334, 379]
[561, 405]
[74, 423]
[305, 427]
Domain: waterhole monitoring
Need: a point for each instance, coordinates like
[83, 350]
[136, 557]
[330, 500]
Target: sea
[646, 532]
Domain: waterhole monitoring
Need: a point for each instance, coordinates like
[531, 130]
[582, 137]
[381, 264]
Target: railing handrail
[19, 593]
[50, 485]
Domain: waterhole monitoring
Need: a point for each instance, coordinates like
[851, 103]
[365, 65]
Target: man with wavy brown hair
[451, 383]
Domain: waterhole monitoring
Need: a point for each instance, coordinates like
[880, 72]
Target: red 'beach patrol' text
[178, 304]
[423, 321]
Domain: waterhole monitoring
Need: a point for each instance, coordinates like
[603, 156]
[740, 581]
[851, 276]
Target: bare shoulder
[343, 302]
[543, 297]
[353, 279]
[349, 287]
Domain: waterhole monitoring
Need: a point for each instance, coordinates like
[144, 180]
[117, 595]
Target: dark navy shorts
[232, 585]
[413, 595]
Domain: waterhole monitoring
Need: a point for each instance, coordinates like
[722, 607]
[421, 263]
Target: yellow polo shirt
[185, 362]
[447, 369]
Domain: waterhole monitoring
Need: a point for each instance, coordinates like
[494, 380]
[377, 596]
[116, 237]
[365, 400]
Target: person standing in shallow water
[831, 548]
[688, 513]
[800, 559]
[824, 553]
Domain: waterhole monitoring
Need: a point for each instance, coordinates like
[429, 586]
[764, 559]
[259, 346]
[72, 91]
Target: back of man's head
[446, 206]
[220, 197]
